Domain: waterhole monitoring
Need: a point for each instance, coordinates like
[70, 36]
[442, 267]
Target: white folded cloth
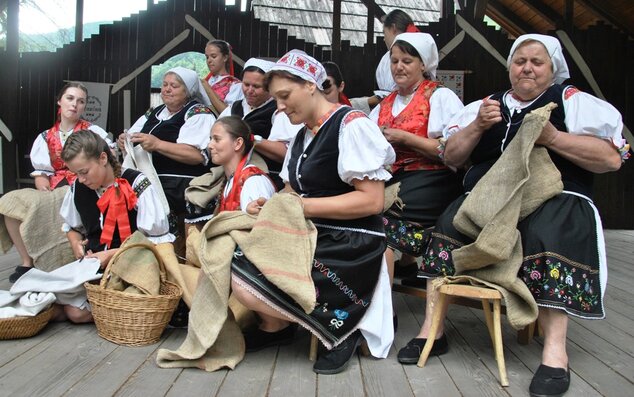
[29, 304]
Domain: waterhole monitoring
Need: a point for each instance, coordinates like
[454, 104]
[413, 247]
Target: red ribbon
[118, 200]
[411, 28]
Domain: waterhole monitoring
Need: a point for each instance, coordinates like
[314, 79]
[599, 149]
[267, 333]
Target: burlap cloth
[135, 267]
[41, 227]
[280, 242]
[520, 181]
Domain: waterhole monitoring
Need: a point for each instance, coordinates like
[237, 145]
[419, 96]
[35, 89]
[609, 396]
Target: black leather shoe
[18, 272]
[411, 352]
[256, 339]
[337, 359]
[549, 382]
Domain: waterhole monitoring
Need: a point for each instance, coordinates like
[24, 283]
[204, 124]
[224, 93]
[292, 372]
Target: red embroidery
[353, 116]
[312, 69]
[413, 119]
[570, 91]
[221, 87]
[54, 144]
[300, 62]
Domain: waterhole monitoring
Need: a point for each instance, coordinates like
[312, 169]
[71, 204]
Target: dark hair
[253, 69]
[283, 74]
[225, 49]
[91, 145]
[410, 50]
[70, 84]
[397, 19]
[332, 70]
[238, 128]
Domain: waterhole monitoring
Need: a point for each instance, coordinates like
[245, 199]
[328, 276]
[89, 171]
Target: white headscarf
[425, 46]
[302, 65]
[553, 47]
[193, 85]
[259, 63]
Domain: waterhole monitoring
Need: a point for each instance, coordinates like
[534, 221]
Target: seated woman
[220, 84]
[412, 119]
[231, 146]
[90, 207]
[337, 164]
[562, 240]
[177, 134]
[50, 173]
[334, 84]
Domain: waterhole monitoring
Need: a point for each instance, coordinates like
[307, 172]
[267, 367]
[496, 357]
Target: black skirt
[564, 263]
[425, 195]
[345, 272]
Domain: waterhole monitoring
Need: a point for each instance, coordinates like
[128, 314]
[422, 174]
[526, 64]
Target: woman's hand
[548, 135]
[489, 114]
[121, 142]
[254, 207]
[79, 248]
[148, 142]
[393, 135]
[103, 256]
[43, 183]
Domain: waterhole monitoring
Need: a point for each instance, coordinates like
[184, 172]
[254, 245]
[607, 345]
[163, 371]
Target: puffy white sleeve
[444, 104]
[225, 113]
[282, 130]
[69, 213]
[102, 133]
[462, 119]
[138, 124]
[374, 114]
[151, 219]
[363, 150]
[255, 187]
[235, 94]
[195, 131]
[40, 158]
[589, 115]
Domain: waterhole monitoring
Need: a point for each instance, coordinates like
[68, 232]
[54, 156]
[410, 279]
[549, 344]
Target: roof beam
[374, 8]
[599, 9]
[517, 25]
[544, 11]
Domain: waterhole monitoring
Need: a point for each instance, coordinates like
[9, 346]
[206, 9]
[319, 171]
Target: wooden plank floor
[72, 360]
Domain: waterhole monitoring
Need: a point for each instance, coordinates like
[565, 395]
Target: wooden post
[336, 26]
[569, 7]
[9, 101]
[447, 8]
[79, 21]
[370, 28]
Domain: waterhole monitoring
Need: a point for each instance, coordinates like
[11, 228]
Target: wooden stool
[486, 295]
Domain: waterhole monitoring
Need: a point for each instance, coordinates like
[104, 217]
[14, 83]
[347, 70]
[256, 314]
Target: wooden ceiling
[530, 16]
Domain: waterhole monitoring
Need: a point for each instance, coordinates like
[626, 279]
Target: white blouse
[444, 104]
[235, 91]
[150, 220]
[584, 115]
[384, 78]
[194, 132]
[363, 152]
[40, 156]
[254, 187]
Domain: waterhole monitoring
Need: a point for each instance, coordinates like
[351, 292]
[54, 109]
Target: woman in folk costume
[334, 84]
[104, 206]
[220, 84]
[231, 146]
[176, 134]
[564, 257]
[50, 172]
[412, 119]
[336, 163]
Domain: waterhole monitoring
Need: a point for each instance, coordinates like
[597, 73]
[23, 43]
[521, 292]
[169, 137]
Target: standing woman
[92, 207]
[50, 173]
[220, 84]
[336, 163]
[412, 119]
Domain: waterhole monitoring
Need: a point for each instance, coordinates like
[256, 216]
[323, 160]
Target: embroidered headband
[302, 65]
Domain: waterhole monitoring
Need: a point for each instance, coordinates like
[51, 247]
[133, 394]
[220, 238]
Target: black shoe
[411, 352]
[257, 339]
[18, 272]
[337, 359]
[180, 318]
[549, 382]
[395, 322]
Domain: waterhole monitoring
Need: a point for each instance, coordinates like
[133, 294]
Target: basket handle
[121, 250]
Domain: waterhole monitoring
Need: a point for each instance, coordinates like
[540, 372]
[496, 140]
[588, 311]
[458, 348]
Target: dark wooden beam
[479, 10]
[13, 27]
[517, 26]
[373, 8]
[336, 25]
[599, 9]
[10, 82]
[569, 15]
[545, 12]
[369, 38]
[447, 8]
[79, 21]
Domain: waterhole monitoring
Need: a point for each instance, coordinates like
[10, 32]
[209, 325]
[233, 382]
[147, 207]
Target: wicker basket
[132, 319]
[24, 326]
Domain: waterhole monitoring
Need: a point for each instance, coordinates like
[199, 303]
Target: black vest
[496, 139]
[168, 130]
[86, 204]
[260, 122]
[313, 172]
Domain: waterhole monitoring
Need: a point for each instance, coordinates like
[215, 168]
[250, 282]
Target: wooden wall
[120, 48]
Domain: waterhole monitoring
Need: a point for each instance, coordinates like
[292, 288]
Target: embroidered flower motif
[569, 280]
[444, 255]
[341, 314]
[312, 69]
[554, 273]
[418, 236]
[535, 275]
[299, 62]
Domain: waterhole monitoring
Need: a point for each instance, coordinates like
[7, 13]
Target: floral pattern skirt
[564, 262]
[424, 194]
